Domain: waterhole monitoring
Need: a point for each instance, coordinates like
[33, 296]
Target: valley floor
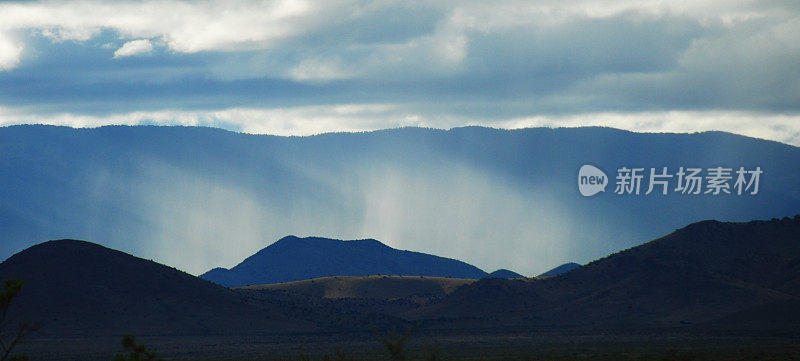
[558, 346]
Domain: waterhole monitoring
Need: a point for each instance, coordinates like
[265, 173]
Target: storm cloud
[302, 67]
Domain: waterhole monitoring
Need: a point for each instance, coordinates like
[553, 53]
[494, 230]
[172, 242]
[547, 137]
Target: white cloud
[318, 70]
[59, 34]
[508, 57]
[186, 26]
[10, 52]
[234, 25]
[134, 47]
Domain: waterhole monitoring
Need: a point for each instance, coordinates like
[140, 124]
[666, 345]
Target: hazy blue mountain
[564, 268]
[198, 198]
[293, 259]
[504, 273]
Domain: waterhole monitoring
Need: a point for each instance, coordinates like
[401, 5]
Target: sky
[299, 67]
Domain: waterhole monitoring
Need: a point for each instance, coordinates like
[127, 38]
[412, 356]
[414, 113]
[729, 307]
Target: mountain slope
[293, 259]
[702, 272]
[79, 287]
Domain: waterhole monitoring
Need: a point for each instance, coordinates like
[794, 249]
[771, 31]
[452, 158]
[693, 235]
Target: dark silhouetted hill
[564, 268]
[504, 273]
[293, 259]
[732, 274]
[77, 287]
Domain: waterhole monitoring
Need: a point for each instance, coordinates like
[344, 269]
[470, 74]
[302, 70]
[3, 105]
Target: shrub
[432, 353]
[395, 343]
[11, 288]
[136, 352]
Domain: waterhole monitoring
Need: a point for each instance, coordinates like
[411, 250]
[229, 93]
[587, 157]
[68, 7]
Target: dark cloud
[430, 60]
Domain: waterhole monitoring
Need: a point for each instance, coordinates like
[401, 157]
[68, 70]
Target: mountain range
[492, 198]
[705, 275]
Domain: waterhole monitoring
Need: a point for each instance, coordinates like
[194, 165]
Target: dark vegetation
[135, 351]
[395, 343]
[10, 339]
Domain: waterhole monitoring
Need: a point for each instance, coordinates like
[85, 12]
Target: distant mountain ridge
[293, 259]
[501, 198]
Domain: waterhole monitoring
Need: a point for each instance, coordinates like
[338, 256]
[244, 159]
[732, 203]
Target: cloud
[134, 47]
[436, 62]
[186, 26]
[318, 70]
[10, 52]
[370, 29]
